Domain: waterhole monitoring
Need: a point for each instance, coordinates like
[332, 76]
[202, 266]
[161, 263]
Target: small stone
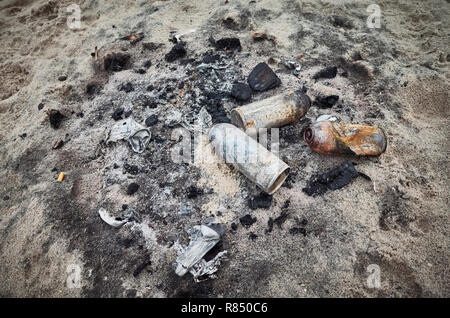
[40, 106]
[252, 236]
[62, 78]
[241, 91]
[151, 121]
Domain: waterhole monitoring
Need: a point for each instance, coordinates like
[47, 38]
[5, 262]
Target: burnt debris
[281, 218]
[214, 105]
[297, 230]
[116, 62]
[233, 228]
[262, 78]
[151, 121]
[326, 101]
[227, 44]
[261, 201]
[334, 179]
[193, 192]
[93, 88]
[133, 38]
[127, 87]
[252, 236]
[117, 115]
[210, 57]
[131, 169]
[241, 91]
[327, 72]
[140, 71]
[132, 188]
[55, 118]
[247, 220]
[177, 51]
[269, 226]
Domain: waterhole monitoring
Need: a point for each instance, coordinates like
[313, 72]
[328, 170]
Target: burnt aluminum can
[249, 157]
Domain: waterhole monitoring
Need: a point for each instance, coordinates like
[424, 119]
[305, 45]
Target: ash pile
[143, 92]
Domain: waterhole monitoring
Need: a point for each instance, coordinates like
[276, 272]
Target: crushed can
[334, 137]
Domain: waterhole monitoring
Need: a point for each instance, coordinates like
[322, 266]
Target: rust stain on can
[340, 138]
[251, 123]
[275, 111]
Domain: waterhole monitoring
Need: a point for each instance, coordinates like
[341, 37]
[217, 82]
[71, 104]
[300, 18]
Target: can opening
[279, 181]
[308, 135]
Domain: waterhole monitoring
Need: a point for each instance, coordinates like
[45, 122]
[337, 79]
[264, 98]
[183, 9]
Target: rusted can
[272, 112]
[339, 138]
[249, 157]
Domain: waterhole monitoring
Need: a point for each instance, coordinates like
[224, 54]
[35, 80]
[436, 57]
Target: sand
[395, 77]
